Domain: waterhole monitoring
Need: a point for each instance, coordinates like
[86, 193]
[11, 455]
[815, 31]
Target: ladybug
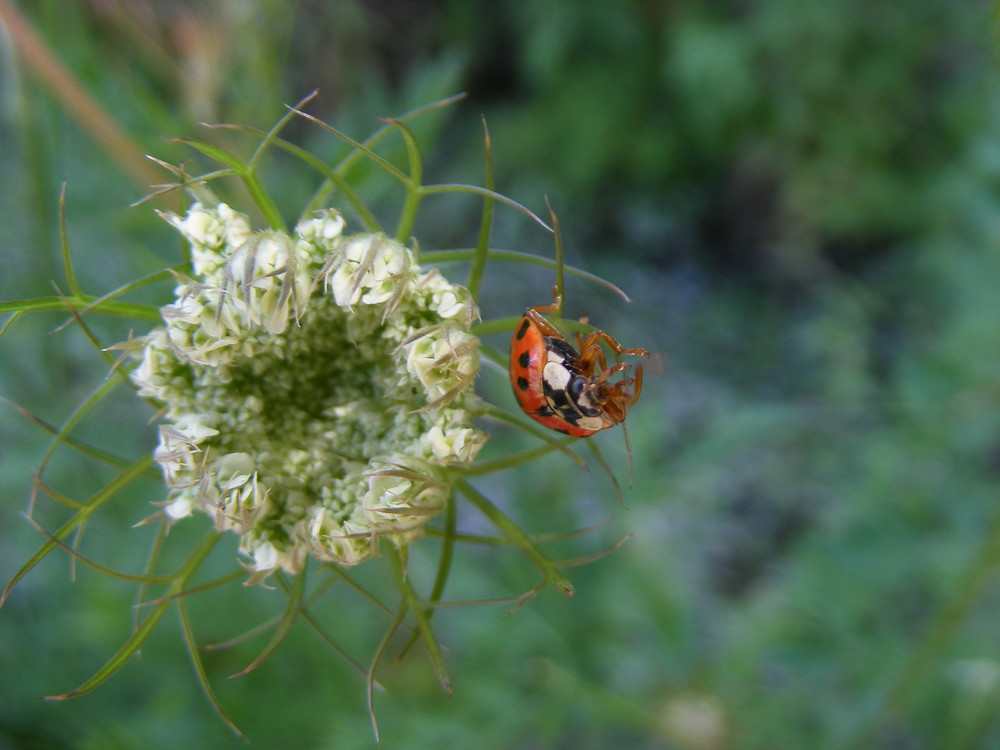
[562, 389]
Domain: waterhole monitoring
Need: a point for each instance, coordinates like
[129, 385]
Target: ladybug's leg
[636, 383]
[616, 404]
[554, 307]
[597, 336]
[591, 353]
[535, 315]
[620, 399]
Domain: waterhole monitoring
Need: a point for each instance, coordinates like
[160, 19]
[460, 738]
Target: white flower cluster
[316, 388]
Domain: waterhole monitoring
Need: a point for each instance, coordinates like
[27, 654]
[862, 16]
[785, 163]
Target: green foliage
[800, 199]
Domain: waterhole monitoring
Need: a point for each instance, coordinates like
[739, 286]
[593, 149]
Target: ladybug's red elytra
[562, 389]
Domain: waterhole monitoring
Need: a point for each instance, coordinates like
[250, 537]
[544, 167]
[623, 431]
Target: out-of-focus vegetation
[802, 200]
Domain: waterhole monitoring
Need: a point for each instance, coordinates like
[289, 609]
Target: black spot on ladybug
[564, 432]
[556, 397]
[544, 411]
[525, 359]
[522, 383]
[523, 329]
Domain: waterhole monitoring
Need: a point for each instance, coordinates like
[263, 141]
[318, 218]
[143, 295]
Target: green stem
[267, 206]
[560, 264]
[478, 268]
[398, 561]
[517, 536]
[457, 256]
[109, 307]
[409, 214]
[141, 634]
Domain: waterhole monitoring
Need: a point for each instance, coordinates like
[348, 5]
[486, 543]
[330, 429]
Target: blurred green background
[802, 200]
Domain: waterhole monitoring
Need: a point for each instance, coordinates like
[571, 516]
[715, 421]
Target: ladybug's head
[599, 397]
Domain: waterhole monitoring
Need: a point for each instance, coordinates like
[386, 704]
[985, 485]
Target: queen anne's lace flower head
[316, 388]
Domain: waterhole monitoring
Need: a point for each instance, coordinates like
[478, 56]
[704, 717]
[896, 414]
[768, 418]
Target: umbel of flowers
[315, 388]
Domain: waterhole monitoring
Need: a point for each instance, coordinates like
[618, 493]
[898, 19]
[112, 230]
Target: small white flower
[265, 557]
[180, 508]
[316, 388]
[444, 359]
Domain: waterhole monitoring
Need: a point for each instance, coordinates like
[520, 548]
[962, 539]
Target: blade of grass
[335, 647]
[492, 466]
[359, 588]
[152, 278]
[537, 538]
[92, 338]
[587, 559]
[201, 588]
[213, 152]
[506, 325]
[52, 494]
[151, 559]
[494, 355]
[10, 321]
